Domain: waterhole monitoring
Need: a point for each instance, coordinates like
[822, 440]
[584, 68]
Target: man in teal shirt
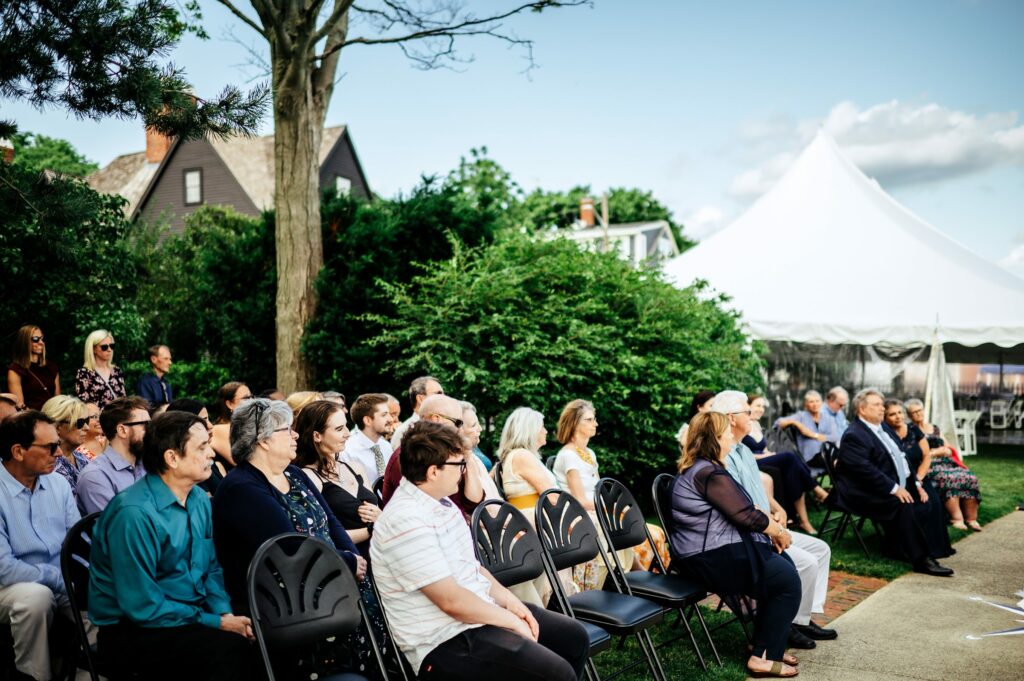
[155, 587]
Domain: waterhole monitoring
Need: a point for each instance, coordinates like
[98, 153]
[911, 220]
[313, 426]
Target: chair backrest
[499, 482]
[782, 439]
[378, 489]
[619, 514]
[828, 456]
[505, 543]
[75, 558]
[300, 592]
[567, 533]
[550, 462]
[661, 493]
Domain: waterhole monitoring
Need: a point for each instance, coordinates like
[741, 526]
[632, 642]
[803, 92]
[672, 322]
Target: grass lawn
[1000, 470]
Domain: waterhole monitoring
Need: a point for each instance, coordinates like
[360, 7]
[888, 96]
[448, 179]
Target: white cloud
[1015, 259]
[894, 142]
[703, 222]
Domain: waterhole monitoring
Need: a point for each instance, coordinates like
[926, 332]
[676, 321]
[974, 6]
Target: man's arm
[508, 600]
[94, 490]
[15, 571]
[855, 464]
[465, 606]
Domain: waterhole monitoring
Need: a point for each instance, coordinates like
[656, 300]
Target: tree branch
[340, 7]
[246, 20]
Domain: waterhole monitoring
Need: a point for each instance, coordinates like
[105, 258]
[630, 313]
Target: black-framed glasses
[461, 464]
[38, 339]
[282, 429]
[134, 423]
[456, 422]
[106, 346]
[52, 446]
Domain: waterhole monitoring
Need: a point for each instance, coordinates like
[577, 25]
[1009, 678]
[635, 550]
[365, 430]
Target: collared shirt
[742, 465]
[899, 459]
[155, 389]
[418, 541]
[826, 426]
[33, 524]
[838, 418]
[357, 450]
[105, 476]
[153, 561]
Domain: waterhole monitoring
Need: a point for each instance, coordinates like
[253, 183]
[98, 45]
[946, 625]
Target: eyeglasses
[38, 339]
[134, 423]
[747, 412]
[456, 422]
[52, 446]
[106, 346]
[461, 464]
[915, 412]
[283, 429]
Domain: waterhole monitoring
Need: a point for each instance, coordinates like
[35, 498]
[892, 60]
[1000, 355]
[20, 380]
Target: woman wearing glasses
[98, 381]
[71, 417]
[30, 377]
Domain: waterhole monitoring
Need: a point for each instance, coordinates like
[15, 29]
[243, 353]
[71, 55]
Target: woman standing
[723, 541]
[961, 494]
[99, 381]
[30, 377]
[71, 417]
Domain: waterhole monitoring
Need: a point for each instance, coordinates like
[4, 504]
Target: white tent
[827, 257]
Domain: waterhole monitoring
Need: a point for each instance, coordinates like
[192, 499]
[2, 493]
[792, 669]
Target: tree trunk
[298, 129]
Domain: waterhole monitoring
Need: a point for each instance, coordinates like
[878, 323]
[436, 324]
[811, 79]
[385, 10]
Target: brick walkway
[845, 591]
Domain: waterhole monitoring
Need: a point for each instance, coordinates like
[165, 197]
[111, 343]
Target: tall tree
[39, 153]
[306, 41]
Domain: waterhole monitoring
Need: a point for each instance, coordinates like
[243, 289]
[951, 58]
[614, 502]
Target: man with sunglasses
[36, 511]
[120, 465]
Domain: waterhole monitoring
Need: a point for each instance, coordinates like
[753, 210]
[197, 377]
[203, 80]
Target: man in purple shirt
[120, 465]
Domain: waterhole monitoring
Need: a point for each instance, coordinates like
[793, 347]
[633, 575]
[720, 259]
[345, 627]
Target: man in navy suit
[871, 477]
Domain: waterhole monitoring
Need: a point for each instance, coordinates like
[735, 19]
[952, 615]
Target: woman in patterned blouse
[99, 381]
[71, 417]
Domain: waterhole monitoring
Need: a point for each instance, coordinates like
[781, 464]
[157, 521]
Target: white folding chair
[998, 415]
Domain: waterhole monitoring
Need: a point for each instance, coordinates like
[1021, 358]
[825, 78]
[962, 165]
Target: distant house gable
[637, 242]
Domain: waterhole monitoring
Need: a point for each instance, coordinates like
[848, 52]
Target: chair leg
[653, 661]
[704, 626]
[693, 639]
[590, 670]
[860, 538]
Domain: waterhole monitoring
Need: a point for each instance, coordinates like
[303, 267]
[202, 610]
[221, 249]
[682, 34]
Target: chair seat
[618, 613]
[670, 590]
[599, 638]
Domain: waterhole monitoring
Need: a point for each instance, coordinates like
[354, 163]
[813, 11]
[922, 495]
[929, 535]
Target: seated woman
[795, 475]
[71, 417]
[229, 396]
[957, 485]
[722, 540]
[470, 430]
[95, 441]
[323, 432]
[927, 504]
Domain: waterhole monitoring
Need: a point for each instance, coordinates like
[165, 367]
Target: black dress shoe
[798, 640]
[813, 631]
[930, 566]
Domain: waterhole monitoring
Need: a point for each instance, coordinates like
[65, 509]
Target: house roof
[653, 230]
[250, 160]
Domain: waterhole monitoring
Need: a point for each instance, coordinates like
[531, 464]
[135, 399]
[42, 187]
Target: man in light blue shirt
[813, 427]
[37, 509]
[835, 408]
[120, 465]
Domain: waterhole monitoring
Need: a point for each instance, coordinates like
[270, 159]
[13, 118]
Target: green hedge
[198, 380]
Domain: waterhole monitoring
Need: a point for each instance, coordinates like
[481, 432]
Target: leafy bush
[198, 380]
[528, 323]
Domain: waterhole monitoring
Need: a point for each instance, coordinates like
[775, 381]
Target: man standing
[120, 465]
[450, 617]
[812, 426]
[835, 408]
[420, 389]
[153, 387]
[156, 590]
[368, 445]
[871, 477]
[810, 555]
[36, 511]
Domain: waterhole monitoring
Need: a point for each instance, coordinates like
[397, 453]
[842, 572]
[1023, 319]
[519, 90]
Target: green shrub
[198, 380]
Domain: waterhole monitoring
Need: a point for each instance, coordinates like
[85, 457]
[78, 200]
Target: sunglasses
[106, 346]
[52, 446]
[456, 422]
[134, 423]
[81, 423]
[37, 339]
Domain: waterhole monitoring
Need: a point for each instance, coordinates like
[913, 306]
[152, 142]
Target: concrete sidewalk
[923, 628]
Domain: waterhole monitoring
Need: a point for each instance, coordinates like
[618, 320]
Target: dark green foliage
[539, 323]
[366, 242]
[198, 380]
[209, 292]
[99, 58]
[66, 265]
[39, 153]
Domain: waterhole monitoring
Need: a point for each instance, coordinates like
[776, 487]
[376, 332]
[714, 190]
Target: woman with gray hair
[265, 495]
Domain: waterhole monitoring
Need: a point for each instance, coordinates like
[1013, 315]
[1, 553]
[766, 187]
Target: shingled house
[171, 179]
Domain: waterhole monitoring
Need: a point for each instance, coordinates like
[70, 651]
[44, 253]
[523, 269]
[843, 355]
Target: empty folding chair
[568, 538]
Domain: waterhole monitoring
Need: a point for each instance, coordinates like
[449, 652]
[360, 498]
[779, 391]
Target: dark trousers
[194, 652]
[559, 654]
[778, 599]
[904, 538]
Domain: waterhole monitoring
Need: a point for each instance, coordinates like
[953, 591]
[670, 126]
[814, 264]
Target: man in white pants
[810, 555]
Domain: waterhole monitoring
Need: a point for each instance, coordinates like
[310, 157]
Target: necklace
[585, 455]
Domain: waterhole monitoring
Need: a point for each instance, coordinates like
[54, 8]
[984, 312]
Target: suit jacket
[865, 473]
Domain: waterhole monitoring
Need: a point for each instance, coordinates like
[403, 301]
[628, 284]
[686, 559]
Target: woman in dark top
[720, 539]
[323, 431]
[928, 507]
[30, 377]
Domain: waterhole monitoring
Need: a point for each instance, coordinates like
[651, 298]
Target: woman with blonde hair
[95, 441]
[721, 540]
[71, 417]
[30, 377]
[300, 399]
[99, 380]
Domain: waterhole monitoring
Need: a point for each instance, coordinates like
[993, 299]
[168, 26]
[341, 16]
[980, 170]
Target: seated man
[809, 554]
[813, 427]
[120, 465]
[835, 408]
[871, 475]
[36, 511]
[155, 590]
[449, 616]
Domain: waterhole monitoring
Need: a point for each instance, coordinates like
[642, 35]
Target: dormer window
[193, 186]
[342, 185]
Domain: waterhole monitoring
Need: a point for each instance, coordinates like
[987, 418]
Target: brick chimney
[157, 145]
[587, 214]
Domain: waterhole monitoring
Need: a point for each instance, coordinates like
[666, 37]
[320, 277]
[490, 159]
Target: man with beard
[120, 465]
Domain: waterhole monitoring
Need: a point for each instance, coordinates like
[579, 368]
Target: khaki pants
[29, 608]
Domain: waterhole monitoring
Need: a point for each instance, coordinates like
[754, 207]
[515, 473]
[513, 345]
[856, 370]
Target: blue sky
[703, 103]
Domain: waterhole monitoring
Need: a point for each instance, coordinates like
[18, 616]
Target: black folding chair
[836, 526]
[568, 538]
[399, 664]
[624, 527]
[300, 594]
[378, 489]
[75, 554]
[507, 545]
[741, 606]
[499, 482]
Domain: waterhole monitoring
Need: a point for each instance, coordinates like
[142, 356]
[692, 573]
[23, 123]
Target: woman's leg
[777, 605]
[952, 505]
[970, 507]
[800, 504]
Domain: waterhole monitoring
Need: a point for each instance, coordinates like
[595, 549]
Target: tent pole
[1001, 388]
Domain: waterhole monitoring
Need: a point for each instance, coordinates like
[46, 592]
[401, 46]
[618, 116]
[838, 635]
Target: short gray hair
[811, 393]
[914, 402]
[520, 431]
[836, 392]
[271, 414]
[729, 402]
[862, 396]
[467, 406]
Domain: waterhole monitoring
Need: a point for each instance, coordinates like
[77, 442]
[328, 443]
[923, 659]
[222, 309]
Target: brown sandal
[774, 672]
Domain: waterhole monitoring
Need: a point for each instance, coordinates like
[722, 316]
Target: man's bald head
[441, 409]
